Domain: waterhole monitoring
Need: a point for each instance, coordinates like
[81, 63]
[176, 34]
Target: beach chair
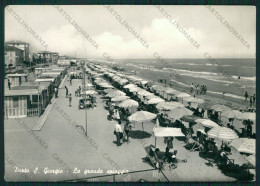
[153, 159]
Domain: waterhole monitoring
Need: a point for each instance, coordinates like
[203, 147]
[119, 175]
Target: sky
[115, 41]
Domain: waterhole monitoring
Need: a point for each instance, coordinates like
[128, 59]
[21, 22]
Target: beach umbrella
[251, 159]
[177, 113]
[222, 133]
[207, 105]
[128, 103]
[144, 92]
[130, 86]
[167, 132]
[220, 108]
[151, 96]
[115, 93]
[207, 123]
[182, 95]
[189, 118]
[169, 105]
[109, 90]
[231, 114]
[197, 100]
[247, 115]
[119, 98]
[245, 145]
[155, 101]
[105, 85]
[89, 92]
[142, 116]
[134, 89]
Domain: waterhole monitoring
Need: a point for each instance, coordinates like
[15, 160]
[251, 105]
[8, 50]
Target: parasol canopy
[220, 108]
[142, 116]
[128, 103]
[247, 115]
[182, 95]
[130, 86]
[115, 93]
[109, 90]
[89, 92]
[119, 98]
[177, 113]
[251, 159]
[167, 132]
[169, 105]
[245, 145]
[231, 114]
[134, 89]
[207, 123]
[155, 101]
[222, 133]
[189, 118]
[106, 85]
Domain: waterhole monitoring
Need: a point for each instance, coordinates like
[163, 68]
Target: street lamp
[82, 63]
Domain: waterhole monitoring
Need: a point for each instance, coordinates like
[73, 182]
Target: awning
[167, 131]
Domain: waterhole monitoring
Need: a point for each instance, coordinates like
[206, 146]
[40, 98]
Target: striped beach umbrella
[245, 145]
[222, 133]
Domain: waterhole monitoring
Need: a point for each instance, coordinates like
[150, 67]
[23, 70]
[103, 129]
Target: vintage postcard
[130, 93]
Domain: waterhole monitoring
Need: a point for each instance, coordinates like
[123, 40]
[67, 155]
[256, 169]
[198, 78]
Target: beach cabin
[39, 71]
[24, 101]
[17, 79]
[56, 75]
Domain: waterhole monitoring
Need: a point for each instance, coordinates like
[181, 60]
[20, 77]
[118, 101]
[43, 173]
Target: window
[15, 102]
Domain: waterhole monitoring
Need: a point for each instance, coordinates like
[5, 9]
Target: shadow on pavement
[138, 134]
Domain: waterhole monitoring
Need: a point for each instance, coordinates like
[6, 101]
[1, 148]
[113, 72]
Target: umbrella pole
[155, 142]
[143, 128]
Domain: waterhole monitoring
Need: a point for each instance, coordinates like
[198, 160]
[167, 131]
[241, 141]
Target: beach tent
[142, 116]
[245, 145]
[169, 105]
[207, 123]
[177, 113]
[222, 133]
[167, 132]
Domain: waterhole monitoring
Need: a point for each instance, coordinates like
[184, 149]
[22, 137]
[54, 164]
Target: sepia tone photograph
[129, 93]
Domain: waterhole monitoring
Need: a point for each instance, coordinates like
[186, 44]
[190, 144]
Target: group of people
[252, 99]
[122, 134]
[198, 89]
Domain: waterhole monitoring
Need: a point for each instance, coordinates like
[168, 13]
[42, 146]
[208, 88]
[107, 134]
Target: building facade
[13, 56]
[25, 47]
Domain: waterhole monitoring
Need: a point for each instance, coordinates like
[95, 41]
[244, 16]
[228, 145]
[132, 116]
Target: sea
[231, 76]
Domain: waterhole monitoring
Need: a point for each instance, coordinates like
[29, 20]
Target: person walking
[246, 96]
[55, 91]
[9, 84]
[127, 129]
[254, 98]
[67, 91]
[117, 132]
[251, 101]
[70, 99]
